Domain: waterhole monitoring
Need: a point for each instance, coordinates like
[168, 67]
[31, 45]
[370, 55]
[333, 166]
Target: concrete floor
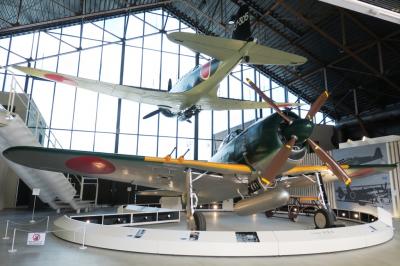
[57, 251]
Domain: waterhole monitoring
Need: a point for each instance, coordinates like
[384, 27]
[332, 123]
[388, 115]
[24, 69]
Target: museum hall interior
[205, 132]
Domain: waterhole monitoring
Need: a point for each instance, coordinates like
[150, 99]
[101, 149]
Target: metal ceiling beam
[338, 44]
[72, 19]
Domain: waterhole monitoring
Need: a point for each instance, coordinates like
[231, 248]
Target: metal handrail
[31, 108]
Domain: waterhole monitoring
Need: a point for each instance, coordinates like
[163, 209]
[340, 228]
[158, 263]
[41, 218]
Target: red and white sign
[36, 239]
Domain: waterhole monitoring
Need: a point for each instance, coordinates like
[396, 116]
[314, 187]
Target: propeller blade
[151, 114]
[317, 105]
[332, 164]
[269, 101]
[280, 159]
[169, 84]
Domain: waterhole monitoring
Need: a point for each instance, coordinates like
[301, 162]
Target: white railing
[32, 113]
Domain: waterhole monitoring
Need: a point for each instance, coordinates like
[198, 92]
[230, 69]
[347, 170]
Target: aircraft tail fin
[242, 29]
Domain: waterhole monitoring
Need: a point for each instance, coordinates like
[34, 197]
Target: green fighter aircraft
[197, 90]
[258, 164]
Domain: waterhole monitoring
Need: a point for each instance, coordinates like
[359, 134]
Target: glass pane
[151, 69]
[165, 146]
[168, 126]
[107, 113]
[104, 142]
[82, 140]
[85, 110]
[111, 63]
[90, 63]
[63, 108]
[204, 149]
[133, 66]
[148, 126]
[127, 144]
[220, 121]
[205, 121]
[147, 146]
[184, 145]
[61, 138]
[42, 96]
[129, 117]
[135, 26]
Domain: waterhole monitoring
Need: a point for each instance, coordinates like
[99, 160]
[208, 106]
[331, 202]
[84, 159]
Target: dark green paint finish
[257, 142]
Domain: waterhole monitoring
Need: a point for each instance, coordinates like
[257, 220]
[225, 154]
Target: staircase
[55, 189]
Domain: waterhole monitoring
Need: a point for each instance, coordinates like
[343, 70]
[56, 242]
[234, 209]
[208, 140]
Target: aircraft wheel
[269, 213]
[352, 195]
[323, 219]
[200, 221]
[293, 216]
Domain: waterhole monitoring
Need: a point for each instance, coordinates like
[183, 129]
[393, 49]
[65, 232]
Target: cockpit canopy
[230, 137]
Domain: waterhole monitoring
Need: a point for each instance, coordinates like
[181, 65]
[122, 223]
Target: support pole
[84, 238]
[322, 192]
[47, 223]
[189, 200]
[12, 250]
[6, 237]
[33, 211]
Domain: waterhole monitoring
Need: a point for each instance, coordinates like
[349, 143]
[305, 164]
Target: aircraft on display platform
[197, 90]
[258, 164]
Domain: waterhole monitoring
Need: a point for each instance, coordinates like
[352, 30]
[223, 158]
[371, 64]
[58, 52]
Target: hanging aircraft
[258, 164]
[197, 90]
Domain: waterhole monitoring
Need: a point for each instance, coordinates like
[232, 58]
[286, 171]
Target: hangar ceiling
[354, 55]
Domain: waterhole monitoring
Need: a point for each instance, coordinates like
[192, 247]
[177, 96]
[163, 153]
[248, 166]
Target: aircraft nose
[301, 128]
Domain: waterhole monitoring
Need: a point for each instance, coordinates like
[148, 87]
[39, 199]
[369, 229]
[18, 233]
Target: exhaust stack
[266, 200]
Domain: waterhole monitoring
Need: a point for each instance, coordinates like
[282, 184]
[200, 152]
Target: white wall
[8, 186]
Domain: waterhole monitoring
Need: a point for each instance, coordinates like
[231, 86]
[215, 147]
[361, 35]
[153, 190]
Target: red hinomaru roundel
[205, 70]
[90, 165]
[60, 78]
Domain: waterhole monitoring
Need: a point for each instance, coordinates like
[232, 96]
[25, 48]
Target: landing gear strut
[195, 220]
[324, 217]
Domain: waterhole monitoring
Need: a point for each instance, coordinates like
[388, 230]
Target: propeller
[280, 158]
[169, 84]
[316, 106]
[269, 101]
[299, 130]
[152, 114]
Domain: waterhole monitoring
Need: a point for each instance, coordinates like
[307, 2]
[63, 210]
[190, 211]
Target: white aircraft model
[197, 90]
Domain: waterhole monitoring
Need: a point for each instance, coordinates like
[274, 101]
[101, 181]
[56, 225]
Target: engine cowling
[267, 200]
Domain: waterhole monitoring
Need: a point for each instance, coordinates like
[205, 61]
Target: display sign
[36, 239]
[36, 191]
[369, 192]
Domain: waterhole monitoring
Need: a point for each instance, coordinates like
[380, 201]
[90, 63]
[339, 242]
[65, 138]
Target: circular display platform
[226, 243]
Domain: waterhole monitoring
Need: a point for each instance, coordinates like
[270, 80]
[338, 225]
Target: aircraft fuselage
[204, 79]
[258, 144]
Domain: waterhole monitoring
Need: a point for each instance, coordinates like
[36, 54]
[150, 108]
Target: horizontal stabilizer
[223, 48]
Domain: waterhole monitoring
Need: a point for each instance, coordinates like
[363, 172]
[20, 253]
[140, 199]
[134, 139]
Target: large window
[130, 50]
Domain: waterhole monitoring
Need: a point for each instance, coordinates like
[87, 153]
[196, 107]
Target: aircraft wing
[137, 94]
[219, 103]
[304, 175]
[217, 181]
[223, 48]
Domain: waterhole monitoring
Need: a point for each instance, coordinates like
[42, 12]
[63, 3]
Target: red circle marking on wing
[205, 70]
[90, 165]
[60, 78]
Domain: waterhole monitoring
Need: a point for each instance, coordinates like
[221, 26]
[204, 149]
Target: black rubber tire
[323, 219]
[269, 213]
[200, 221]
[293, 216]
